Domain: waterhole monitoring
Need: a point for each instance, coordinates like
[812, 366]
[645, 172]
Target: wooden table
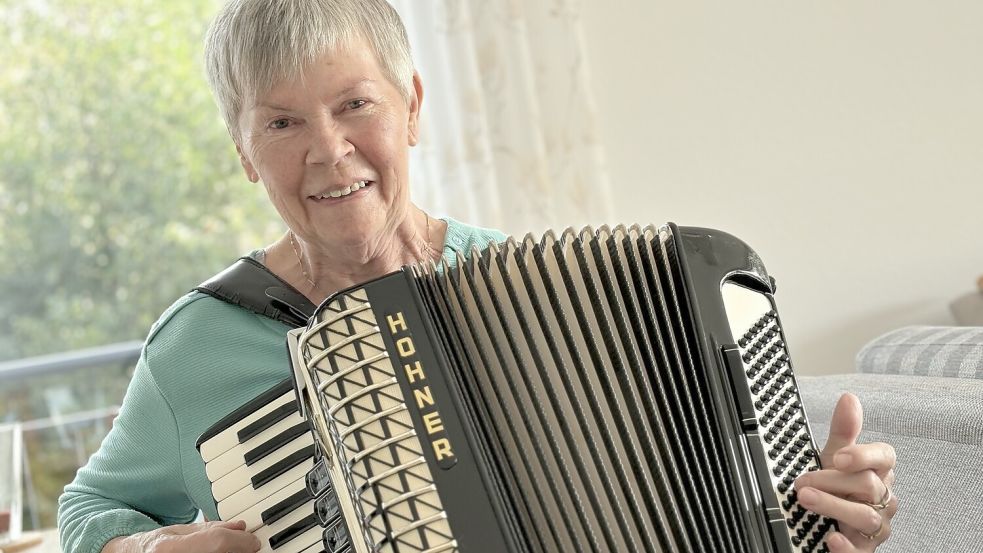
[45, 541]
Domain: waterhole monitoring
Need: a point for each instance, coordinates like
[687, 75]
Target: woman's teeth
[344, 191]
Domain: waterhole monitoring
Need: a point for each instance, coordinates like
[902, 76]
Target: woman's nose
[329, 144]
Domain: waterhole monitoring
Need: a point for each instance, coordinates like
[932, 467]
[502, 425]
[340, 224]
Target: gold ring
[880, 506]
[870, 537]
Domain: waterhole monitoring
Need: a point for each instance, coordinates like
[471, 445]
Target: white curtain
[509, 135]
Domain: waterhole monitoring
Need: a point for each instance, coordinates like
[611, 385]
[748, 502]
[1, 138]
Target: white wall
[842, 140]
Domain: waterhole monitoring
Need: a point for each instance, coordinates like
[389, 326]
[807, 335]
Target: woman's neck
[318, 270]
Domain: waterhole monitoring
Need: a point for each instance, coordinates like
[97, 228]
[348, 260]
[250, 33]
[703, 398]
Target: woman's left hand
[854, 486]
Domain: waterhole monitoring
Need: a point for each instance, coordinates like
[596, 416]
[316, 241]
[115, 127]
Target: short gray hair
[254, 44]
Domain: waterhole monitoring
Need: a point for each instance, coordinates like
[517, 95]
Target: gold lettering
[433, 423]
[396, 322]
[405, 347]
[414, 372]
[442, 449]
[423, 397]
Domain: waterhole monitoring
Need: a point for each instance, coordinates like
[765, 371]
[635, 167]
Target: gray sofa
[922, 391]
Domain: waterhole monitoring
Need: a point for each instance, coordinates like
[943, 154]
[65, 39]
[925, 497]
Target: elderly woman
[323, 103]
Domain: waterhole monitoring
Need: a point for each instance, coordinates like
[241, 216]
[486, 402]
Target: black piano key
[266, 421]
[290, 532]
[282, 466]
[284, 507]
[276, 443]
[233, 418]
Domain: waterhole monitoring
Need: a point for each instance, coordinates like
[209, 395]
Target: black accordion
[617, 389]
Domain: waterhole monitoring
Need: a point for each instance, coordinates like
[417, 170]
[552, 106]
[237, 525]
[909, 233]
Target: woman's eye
[281, 123]
[355, 104]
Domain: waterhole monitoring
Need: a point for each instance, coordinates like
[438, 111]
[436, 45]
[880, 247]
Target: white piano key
[241, 476]
[235, 457]
[228, 438]
[245, 498]
[253, 515]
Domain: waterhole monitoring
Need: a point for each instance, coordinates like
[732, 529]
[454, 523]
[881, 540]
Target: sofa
[922, 391]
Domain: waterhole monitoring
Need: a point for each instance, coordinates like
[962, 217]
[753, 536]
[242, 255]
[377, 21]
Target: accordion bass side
[617, 389]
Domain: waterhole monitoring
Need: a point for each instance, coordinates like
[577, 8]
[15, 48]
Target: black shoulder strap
[250, 285]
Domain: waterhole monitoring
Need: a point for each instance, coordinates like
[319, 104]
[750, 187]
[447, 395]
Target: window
[120, 191]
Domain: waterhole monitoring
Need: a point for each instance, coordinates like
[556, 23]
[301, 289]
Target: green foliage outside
[119, 191]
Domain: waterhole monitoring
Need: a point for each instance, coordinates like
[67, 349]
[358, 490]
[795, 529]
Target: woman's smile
[339, 195]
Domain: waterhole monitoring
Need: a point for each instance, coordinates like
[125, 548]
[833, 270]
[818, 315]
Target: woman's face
[332, 150]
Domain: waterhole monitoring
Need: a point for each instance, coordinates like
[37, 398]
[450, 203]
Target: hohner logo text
[416, 375]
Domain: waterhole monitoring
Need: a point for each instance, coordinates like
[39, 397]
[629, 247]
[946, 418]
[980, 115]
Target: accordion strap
[247, 283]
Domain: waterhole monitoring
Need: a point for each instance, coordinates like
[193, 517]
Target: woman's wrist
[122, 544]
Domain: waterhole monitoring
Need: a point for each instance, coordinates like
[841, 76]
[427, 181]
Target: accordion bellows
[617, 389]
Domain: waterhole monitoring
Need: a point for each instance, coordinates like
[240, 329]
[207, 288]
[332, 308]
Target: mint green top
[203, 359]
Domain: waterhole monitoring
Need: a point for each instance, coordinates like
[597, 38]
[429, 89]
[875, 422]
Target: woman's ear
[416, 100]
[247, 165]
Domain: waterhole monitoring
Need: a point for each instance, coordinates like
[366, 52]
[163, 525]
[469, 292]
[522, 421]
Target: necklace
[429, 252]
[300, 260]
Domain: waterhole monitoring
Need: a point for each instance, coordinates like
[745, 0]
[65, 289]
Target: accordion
[613, 389]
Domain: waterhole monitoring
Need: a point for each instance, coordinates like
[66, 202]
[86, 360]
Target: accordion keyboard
[259, 465]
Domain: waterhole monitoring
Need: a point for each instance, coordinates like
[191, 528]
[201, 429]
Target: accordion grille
[376, 447]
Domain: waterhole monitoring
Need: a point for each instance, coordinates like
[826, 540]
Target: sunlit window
[119, 192]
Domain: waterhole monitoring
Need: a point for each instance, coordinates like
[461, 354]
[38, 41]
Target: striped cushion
[953, 351]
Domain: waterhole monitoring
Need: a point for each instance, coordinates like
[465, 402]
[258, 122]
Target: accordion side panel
[754, 374]
[692, 426]
[704, 396]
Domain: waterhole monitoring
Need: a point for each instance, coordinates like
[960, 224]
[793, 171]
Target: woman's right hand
[201, 537]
